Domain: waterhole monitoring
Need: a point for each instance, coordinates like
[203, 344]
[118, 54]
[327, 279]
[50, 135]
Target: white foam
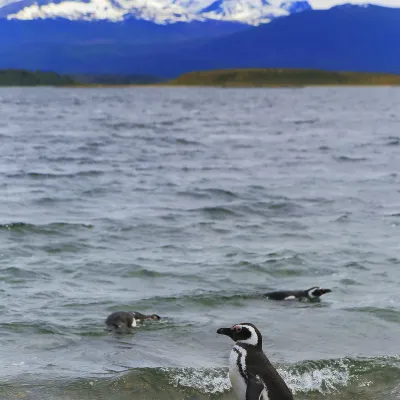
[323, 380]
[327, 379]
[207, 381]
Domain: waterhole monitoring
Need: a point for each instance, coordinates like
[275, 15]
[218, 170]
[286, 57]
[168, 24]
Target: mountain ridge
[359, 39]
[252, 12]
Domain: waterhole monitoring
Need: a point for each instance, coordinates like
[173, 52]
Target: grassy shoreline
[276, 77]
[230, 78]
[157, 86]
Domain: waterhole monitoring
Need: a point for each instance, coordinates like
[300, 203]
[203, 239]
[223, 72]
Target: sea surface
[191, 203]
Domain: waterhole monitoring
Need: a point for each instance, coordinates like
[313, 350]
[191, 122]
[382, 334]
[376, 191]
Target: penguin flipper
[254, 387]
[269, 376]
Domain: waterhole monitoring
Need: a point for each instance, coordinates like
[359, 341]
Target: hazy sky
[330, 3]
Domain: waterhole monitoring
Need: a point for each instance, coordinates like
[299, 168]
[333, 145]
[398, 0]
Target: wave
[209, 193]
[393, 141]
[20, 275]
[349, 159]
[306, 121]
[216, 212]
[373, 378]
[259, 208]
[44, 175]
[51, 228]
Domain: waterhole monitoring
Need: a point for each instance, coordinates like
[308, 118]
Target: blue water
[191, 203]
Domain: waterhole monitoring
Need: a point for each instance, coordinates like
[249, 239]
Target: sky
[322, 4]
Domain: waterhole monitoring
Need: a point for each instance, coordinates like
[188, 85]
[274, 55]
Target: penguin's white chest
[237, 371]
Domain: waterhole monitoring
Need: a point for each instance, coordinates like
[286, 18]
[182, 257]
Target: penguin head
[316, 292]
[243, 333]
[154, 317]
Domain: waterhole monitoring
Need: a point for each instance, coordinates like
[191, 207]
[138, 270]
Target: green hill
[18, 77]
[281, 77]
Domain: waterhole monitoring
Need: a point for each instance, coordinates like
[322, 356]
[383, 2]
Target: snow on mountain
[251, 12]
[326, 4]
[112, 10]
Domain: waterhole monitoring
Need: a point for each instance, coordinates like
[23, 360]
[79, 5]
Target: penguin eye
[237, 329]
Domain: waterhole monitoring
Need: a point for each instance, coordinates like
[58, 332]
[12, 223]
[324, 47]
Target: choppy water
[190, 203]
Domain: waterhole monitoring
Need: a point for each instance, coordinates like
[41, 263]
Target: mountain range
[251, 12]
[347, 37]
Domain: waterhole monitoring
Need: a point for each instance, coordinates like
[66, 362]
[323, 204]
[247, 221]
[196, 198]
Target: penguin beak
[225, 331]
[320, 292]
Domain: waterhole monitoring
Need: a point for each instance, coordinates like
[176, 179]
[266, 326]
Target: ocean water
[191, 203]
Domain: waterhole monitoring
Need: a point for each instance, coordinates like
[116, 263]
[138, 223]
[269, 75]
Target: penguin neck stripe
[310, 295]
[240, 362]
[253, 340]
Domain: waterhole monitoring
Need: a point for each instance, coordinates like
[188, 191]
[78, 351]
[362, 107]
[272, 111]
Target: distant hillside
[109, 79]
[14, 77]
[351, 38]
[128, 32]
[359, 39]
[20, 77]
[223, 78]
[281, 77]
[347, 38]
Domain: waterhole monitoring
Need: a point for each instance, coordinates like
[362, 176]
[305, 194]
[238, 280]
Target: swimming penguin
[252, 375]
[140, 317]
[121, 319]
[311, 294]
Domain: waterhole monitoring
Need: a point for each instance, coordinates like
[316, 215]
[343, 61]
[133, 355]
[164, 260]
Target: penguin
[252, 375]
[140, 317]
[312, 294]
[121, 319]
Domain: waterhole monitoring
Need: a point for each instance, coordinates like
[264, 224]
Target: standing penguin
[252, 375]
[312, 294]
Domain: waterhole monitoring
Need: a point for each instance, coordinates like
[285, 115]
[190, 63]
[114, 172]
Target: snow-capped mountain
[344, 38]
[251, 12]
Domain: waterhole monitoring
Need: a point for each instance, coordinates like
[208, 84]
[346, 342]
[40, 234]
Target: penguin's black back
[119, 319]
[139, 316]
[259, 366]
[283, 294]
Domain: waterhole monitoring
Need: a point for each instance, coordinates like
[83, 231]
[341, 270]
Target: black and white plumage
[252, 375]
[121, 320]
[139, 316]
[124, 319]
[312, 294]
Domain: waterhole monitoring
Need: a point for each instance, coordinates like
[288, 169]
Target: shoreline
[228, 86]
[273, 78]
[198, 86]
[266, 86]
